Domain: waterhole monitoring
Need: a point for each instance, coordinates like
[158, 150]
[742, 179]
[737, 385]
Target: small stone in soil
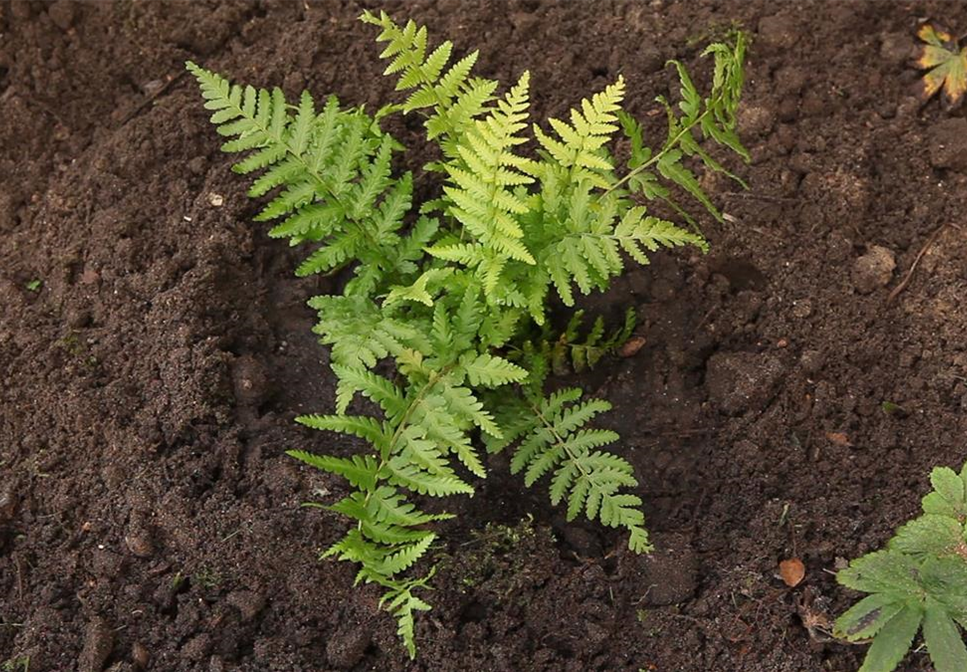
[140, 655]
[98, 643]
[139, 543]
[812, 361]
[248, 603]
[8, 503]
[62, 13]
[874, 269]
[198, 647]
[249, 381]
[948, 144]
[756, 121]
[778, 31]
[896, 48]
[348, 645]
[741, 381]
[669, 575]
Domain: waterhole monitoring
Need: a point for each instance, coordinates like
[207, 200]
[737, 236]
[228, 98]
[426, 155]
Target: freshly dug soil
[782, 407]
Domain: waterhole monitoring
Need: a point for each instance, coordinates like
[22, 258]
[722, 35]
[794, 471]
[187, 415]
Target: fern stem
[384, 459]
[560, 439]
[664, 150]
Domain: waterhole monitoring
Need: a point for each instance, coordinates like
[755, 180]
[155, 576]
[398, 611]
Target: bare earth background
[147, 514]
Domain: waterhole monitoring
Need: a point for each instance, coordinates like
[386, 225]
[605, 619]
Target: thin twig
[761, 197]
[923, 250]
[153, 97]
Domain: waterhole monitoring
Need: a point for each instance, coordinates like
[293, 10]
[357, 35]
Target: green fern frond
[382, 391]
[387, 505]
[404, 471]
[713, 117]
[361, 333]
[491, 371]
[370, 429]
[580, 145]
[402, 559]
[403, 604]
[332, 170]
[557, 441]
[360, 470]
[455, 97]
[481, 190]
[572, 351]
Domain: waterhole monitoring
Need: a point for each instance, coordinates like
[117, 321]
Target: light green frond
[405, 473]
[491, 371]
[379, 389]
[423, 288]
[556, 440]
[360, 470]
[581, 143]
[374, 431]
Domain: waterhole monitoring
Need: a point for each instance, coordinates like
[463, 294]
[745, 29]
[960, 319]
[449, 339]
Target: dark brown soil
[148, 515]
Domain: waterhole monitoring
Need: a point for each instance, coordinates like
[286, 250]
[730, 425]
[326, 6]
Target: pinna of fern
[453, 293]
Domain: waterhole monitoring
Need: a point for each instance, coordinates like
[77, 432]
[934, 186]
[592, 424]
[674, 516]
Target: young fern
[453, 292]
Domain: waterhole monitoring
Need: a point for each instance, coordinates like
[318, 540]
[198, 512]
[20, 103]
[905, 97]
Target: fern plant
[919, 582]
[453, 292]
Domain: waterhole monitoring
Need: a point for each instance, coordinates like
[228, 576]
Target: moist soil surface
[783, 406]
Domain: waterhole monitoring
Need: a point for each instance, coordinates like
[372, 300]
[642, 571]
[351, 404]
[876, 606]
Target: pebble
[248, 603]
[741, 381]
[106, 564]
[756, 121]
[802, 308]
[197, 647]
[596, 634]
[525, 24]
[896, 48]
[78, 318]
[249, 381]
[788, 110]
[585, 544]
[62, 13]
[347, 647]
[140, 655]
[668, 575]
[152, 87]
[778, 31]
[812, 361]
[8, 502]
[98, 643]
[198, 165]
[20, 9]
[873, 270]
[8, 213]
[139, 543]
[947, 144]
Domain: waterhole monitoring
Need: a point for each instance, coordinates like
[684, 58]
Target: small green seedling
[34, 285]
[19, 664]
[919, 582]
[454, 292]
